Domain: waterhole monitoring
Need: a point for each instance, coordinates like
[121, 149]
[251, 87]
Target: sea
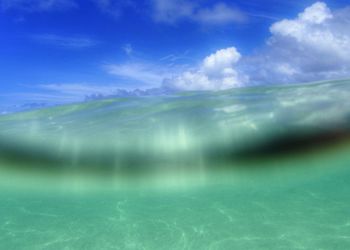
[261, 167]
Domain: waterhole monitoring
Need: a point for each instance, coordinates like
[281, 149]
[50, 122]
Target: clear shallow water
[256, 168]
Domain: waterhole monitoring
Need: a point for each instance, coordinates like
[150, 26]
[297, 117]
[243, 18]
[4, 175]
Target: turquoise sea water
[250, 168]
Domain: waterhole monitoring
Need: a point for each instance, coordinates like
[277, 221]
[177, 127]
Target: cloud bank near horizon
[313, 46]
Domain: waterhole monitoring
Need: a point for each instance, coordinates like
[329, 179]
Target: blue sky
[62, 50]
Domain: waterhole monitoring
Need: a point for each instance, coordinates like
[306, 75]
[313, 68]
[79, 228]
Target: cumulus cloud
[37, 5]
[217, 71]
[172, 11]
[313, 46]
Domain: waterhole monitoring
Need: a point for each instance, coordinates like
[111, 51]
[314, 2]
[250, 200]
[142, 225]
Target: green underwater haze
[247, 168]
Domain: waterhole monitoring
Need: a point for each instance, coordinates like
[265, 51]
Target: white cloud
[313, 46]
[310, 28]
[127, 48]
[172, 11]
[221, 59]
[145, 73]
[216, 72]
[37, 5]
[65, 41]
[219, 14]
[317, 13]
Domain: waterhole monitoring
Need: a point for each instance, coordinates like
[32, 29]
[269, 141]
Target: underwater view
[174, 125]
[255, 168]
